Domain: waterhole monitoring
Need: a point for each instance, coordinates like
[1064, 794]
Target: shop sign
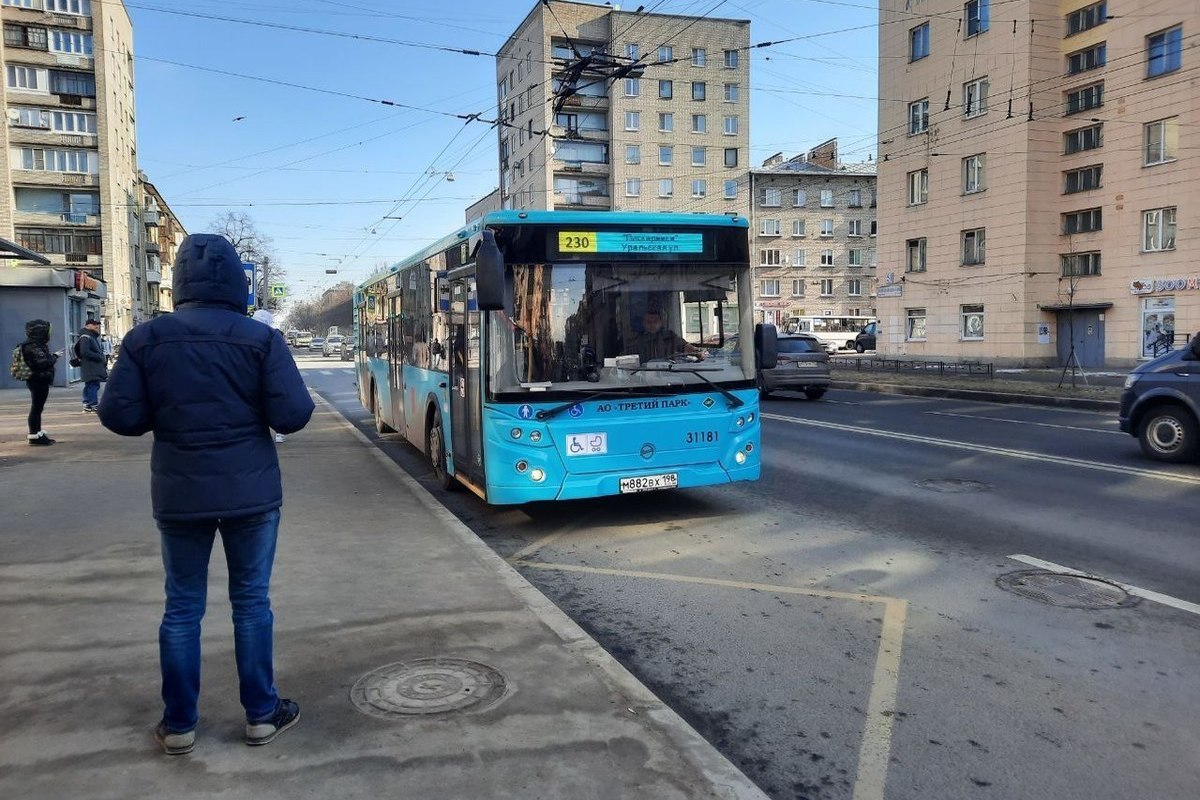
[1149, 285]
[890, 290]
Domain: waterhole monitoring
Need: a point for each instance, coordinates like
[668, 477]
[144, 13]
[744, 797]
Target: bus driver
[657, 342]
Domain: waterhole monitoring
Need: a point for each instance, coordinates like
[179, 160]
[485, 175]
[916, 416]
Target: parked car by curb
[865, 340]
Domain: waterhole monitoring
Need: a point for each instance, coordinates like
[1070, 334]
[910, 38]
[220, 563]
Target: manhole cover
[952, 485]
[1067, 591]
[428, 686]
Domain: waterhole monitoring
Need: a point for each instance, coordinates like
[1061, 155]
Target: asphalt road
[838, 629]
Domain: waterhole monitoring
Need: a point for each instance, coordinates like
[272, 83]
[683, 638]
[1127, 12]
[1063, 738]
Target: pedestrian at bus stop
[211, 383]
[34, 363]
[93, 365]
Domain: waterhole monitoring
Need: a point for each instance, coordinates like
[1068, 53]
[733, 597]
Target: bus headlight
[537, 474]
[521, 466]
[739, 457]
[749, 418]
[741, 421]
[535, 436]
[516, 433]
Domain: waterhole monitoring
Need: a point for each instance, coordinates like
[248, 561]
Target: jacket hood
[38, 330]
[209, 270]
[265, 317]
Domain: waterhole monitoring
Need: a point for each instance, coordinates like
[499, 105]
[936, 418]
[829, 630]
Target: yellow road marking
[538, 544]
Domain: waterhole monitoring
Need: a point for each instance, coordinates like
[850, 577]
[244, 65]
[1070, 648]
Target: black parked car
[865, 340]
[1161, 404]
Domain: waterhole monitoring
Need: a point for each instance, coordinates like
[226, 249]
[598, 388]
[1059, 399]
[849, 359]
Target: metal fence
[963, 369]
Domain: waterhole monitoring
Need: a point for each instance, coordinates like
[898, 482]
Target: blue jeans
[91, 393]
[249, 544]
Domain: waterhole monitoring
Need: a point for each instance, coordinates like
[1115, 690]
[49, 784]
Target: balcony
[150, 217]
[152, 247]
[581, 200]
[585, 101]
[600, 168]
[584, 134]
[154, 277]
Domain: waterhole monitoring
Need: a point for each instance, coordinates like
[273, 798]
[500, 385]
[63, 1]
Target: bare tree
[253, 247]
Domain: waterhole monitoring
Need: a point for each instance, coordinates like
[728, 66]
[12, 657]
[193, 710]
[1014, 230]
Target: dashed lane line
[1116, 469]
[1162, 599]
[1025, 422]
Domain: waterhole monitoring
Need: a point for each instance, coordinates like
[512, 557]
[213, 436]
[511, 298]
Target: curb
[983, 396]
[726, 779]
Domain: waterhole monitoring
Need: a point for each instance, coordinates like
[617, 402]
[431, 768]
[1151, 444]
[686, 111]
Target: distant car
[349, 345]
[865, 340]
[291, 336]
[1161, 404]
[317, 344]
[332, 345]
[803, 366]
[304, 339]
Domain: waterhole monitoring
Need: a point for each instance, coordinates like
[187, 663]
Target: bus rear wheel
[435, 451]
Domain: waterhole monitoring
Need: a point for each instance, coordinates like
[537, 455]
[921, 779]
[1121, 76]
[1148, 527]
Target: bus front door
[466, 402]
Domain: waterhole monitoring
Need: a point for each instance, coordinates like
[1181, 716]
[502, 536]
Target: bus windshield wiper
[733, 400]
[549, 413]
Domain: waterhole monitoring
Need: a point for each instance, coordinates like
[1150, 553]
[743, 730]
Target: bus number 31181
[701, 437]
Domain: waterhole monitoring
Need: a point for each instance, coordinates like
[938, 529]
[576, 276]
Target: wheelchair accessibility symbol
[587, 444]
[576, 411]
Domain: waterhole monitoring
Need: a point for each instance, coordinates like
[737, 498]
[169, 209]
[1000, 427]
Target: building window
[915, 329]
[772, 198]
[666, 90]
[633, 120]
[1080, 264]
[1162, 141]
[768, 258]
[1086, 221]
[699, 188]
[854, 257]
[1164, 52]
[67, 42]
[918, 116]
[59, 242]
[666, 187]
[632, 51]
[768, 288]
[38, 159]
[731, 156]
[797, 287]
[33, 118]
[798, 228]
[1087, 18]
[768, 227]
[854, 287]
[699, 90]
[699, 123]
[799, 258]
[633, 154]
[799, 198]
[976, 13]
[699, 57]
[26, 79]
[699, 156]
[973, 242]
[731, 126]
[76, 122]
[25, 36]
[918, 187]
[1085, 98]
[76, 83]
[633, 187]
[21, 3]
[855, 200]
[826, 258]
[975, 98]
[918, 42]
[826, 227]
[1158, 230]
[974, 173]
[854, 228]
[874, 227]
[731, 59]
[80, 7]
[972, 322]
[1081, 139]
[731, 190]
[666, 155]
[666, 122]
[827, 198]
[1085, 59]
[666, 53]
[826, 287]
[731, 93]
[1082, 180]
[914, 255]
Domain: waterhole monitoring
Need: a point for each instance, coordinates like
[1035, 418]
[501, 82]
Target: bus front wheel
[435, 450]
[380, 425]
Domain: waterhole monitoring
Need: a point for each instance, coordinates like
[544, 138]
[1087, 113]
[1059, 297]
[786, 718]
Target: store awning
[13, 250]
[1075, 307]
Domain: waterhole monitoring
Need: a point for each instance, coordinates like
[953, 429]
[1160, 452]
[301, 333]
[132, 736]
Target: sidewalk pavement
[371, 571]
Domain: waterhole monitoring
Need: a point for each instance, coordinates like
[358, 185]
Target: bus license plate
[649, 483]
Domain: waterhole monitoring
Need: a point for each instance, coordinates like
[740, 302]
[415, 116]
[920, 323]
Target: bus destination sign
[666, 242]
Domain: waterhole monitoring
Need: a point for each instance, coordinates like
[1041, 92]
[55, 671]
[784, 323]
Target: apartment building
[163, 235]
[1038, 179]
[69, 157]
[813, 223]
[610, 109]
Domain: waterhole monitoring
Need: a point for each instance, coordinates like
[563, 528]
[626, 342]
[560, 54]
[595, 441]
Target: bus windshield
[618, 325]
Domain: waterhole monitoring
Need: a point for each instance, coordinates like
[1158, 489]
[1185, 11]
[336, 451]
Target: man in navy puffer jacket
[211, 383]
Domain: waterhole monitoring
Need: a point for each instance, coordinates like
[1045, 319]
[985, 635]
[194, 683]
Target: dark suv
[1161, 404]
[803, 366]
[865, 340]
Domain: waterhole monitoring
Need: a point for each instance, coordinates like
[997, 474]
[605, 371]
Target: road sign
[251, 279]
[278, 290]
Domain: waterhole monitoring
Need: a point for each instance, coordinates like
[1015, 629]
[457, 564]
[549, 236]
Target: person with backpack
[211, 383]
[33, 363]
[92, 363]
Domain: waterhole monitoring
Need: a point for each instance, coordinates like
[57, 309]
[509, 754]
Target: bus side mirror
[766, 346]
[489, 274]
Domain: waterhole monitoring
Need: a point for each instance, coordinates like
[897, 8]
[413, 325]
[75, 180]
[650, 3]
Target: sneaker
[40, 440]
[175, 744]
[286, 715]
[90, 409]
[279, 437]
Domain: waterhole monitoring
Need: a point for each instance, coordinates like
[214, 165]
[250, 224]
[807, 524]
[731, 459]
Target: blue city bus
[547, 355]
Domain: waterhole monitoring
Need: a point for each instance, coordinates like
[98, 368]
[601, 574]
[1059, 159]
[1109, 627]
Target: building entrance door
[1084, 327]
[1158, 325]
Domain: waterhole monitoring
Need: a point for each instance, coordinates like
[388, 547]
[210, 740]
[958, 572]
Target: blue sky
[319, 172]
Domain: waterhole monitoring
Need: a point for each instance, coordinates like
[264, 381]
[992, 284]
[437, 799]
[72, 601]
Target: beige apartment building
[1038, 179]
[813, 223]
[609, 109]
[69, 155]
[164, 234]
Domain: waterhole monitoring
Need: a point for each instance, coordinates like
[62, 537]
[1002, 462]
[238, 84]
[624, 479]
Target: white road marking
[1163, 599]
[1116, 469]
[1024, 422]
